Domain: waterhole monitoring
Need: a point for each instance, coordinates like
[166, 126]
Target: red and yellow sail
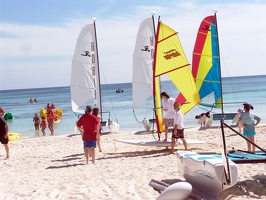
[171, 60]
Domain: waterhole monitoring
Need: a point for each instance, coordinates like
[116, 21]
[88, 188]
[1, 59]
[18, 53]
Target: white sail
[142, 81]
[85, 81]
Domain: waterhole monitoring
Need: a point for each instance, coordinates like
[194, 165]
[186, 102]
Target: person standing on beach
[168, 108]
[89, 127]
[43, 125]
[95, 112]
[4, 132]
[51, 116]
[36, 121]
[247, 121]
[178, 131]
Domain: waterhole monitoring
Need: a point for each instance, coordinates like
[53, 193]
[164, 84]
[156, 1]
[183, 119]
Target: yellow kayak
[14, 136]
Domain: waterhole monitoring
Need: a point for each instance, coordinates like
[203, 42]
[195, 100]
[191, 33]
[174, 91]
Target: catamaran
[156, 55]
[85, 75]
[159, 53]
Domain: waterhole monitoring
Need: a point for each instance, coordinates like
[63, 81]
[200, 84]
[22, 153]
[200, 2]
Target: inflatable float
[8, 116]
[43, 113]
[59, 112]
[14, 136]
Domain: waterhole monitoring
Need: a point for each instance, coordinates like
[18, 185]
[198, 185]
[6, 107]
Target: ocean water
[236, 90]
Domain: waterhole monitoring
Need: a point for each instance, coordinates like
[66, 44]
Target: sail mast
[98, 81]
[219, 62]
[154, 104]
[156, 83]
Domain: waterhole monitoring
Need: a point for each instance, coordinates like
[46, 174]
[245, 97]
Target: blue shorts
[248, 134]
[89, 143]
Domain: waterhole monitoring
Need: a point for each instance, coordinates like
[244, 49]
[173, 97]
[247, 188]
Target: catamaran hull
[206, 172]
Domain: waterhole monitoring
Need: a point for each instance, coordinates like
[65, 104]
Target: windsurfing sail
[206, 67]
[85, 79]
[85, 75]
[142, 79]
[171, 60]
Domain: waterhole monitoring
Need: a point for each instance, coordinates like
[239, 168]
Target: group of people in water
[47, 119]
[33, 100]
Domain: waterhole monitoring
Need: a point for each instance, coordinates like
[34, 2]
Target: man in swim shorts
[89, 127]
[178, 131]
[4, 132]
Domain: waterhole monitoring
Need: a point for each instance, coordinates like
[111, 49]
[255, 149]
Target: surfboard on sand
[156, 143]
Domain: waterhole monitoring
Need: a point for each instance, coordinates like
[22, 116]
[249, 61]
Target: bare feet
[171, 152]
[165, 140]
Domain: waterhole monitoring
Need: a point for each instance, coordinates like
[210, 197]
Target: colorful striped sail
[206, 62]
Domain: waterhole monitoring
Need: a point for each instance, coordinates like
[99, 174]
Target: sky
[38, 38]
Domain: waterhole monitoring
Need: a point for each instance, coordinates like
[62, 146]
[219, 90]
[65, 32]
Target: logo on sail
[206, 28]
[86, 53]
[146, 48]
[171, 54]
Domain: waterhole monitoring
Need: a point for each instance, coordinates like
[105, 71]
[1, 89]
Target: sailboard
[159, 53]
[156, 143]
[85, 75]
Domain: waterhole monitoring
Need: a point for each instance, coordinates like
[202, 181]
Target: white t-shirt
[169, 105]
[178, 119]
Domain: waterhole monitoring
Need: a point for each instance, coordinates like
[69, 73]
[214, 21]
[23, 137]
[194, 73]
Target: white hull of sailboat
[113, 126]
[206, 172]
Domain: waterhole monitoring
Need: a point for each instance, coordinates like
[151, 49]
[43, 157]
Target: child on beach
[95, 112]
[178, 131]
[43, 125]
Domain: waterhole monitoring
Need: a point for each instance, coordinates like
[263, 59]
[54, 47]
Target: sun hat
[248, 106]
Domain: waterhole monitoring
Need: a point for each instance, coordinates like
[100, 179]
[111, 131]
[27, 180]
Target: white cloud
[241, 31]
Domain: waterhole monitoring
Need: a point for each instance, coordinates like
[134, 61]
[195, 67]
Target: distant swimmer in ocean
[31, 101]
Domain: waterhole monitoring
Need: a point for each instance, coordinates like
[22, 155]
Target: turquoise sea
[251, 89]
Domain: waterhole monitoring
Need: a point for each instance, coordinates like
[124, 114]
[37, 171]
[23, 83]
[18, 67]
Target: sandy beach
[52, 167]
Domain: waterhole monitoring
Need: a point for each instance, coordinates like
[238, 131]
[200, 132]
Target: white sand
[52, 167]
